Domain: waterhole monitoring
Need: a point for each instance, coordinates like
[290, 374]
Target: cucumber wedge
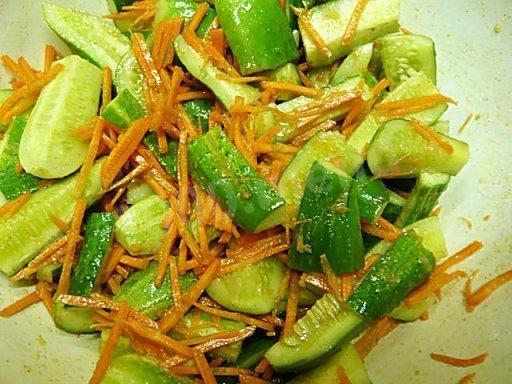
[12, 182]
[254, 350]
[354, 64]
[137, 191]
[31, 229]
[253, 289]
[330, 20]
[372, 195]
[139, 229]
[326, 326]
[48, 148]
[128, 76]
[348, 359]
[92, 37]
[323, 146]
[211, 76]
[397, 149]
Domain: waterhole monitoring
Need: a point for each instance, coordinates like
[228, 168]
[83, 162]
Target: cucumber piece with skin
[137, 191]
[198, 111]
[372, 196]
[48, 148]
[172, 9]
[399, 53]
[139, 229]
[141, 293]
[138, 369]
[49, 272]
[286, 73]
[31, 229]
[330, 20]
[201, 324]
[324, 328]
[394, 207]
[398, 149]
[423, 198]
[218, 167]
[128, 76]
[92, 37]
[348, 359]
[415, 86]
[328, 223]
[354, 64]
[253, 351]
[204, 71]
[253, 289]
[14, 183]
[327, 146]
[258, 33]
[404, 266]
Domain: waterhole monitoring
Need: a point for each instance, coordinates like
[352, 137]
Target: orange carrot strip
[165, 251]
[415, 101]
[468, 379]
[44, 292]
[50, 55]
[351, 29]
[112, 261]
[342, 375]
[486, 290]
[175, 281]
[59, 223]
[380, 86]
[146, 62]
[27, 69]
[12, 207]
[176, 79]
[435, 282]
[292, 304]
[90, 156]
[379, 232]
[185, 233]
[332, 280]
[15, 68]
[135, 262]
[20, 304]
[294, 88]
[108, 349]
[386, 225]
[252, 259]
[198, 16]
[217, 40]
[429, 135]
[460, 256]
[379, 330]
[183, 203]
[312, 32]
[457, 362]
[204, 368]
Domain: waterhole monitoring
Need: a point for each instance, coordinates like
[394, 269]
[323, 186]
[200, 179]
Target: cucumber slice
[128, 76]
[141, 293]
[397, 148]
[199, 111]
[354, 64]
[219, 168]
[394, 208]
[254, 350]
[73, 319]
[138, 369]
[31, 229]
[323, 146]
[330, 20]
[12, 182]
[202, 324]
[172, 9]
[328, 223]
[211, 76]
[137, 191]
[404, 266]
[372, 195]
[326, 326]
[348, 359]
[286, 73]
[139, 229]
[253, 289]
[48, 148]
[417, 85]
[399, 53]
[423, 198]
[92, 37]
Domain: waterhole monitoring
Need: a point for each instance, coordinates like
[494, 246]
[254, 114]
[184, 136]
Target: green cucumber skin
[167, 160]
[325, 231]
[423, 198]
[404, 266]
[225, 90]
[92, 37]
[138, 369]
[12, 183]
[399, 53]
[372, 196]
[397, 140]
[30, 230]
[48, 148]
[354, 64]
[394, 207]
[254, 351]
[253, 289]
[98, 236]
[258, 33]
[218, 167]
[198, 111]
[141, 293]
[330, 21]
[139, 229]
[172, 9]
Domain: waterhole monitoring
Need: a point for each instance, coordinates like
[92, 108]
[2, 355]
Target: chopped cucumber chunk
[354, 64]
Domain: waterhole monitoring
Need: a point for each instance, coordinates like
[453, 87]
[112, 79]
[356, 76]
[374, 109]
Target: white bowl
[474, 45]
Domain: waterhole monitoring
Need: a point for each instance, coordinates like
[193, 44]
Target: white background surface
[474, 67]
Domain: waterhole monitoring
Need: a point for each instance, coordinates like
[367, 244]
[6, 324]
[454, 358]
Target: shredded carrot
[176, 79]
[292, 304]
[172, 317]
[430, 135]
[183, 202]
[305, 22]
[90, 156]
[379, 232]
[246, 379]
[15, 69]
[294, 88]
[346, 286]
[332, 280]
[73, 239]
[379, 330]
[351, 29]
[108, 349]
[468, 379]
[175, 281]
[460, 256]
[427, 101]
[198, 16]
[50, 55]
[318, 281]
[435, 282]
[182, 257]
[252, 259]
[59, 223]
[135, 262]
[380, 86]
[342, 375]
[217, 40]
[120, 154]
[106, 87]
[457, 362]
[204, 368]
[146, 63]
[141, 13]
[12, 207]
[481, 294]
[165, 251]
[113, 259]
[20, 304]
[45, 293]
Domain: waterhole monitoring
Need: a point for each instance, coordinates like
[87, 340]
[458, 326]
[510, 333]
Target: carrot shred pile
[350, 30]
[458, 362]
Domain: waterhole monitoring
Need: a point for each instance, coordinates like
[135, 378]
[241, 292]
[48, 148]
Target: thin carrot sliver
[294, 88]
[44, 292]
[59, 223]
[164, 253]
[379, 330]
[198, 16]
[342, 375]
[350, 31]
[435, 282]
[20, 304]
[12, 207]
[204, 368]
[460, 256]
[429, 135]
[292, 304]
[458, 362]
[135, 262]
[90, 156]
[50, 55]
[481, 294]
[183, 203]
[312, 32]
[217, 40]
[468, 379]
